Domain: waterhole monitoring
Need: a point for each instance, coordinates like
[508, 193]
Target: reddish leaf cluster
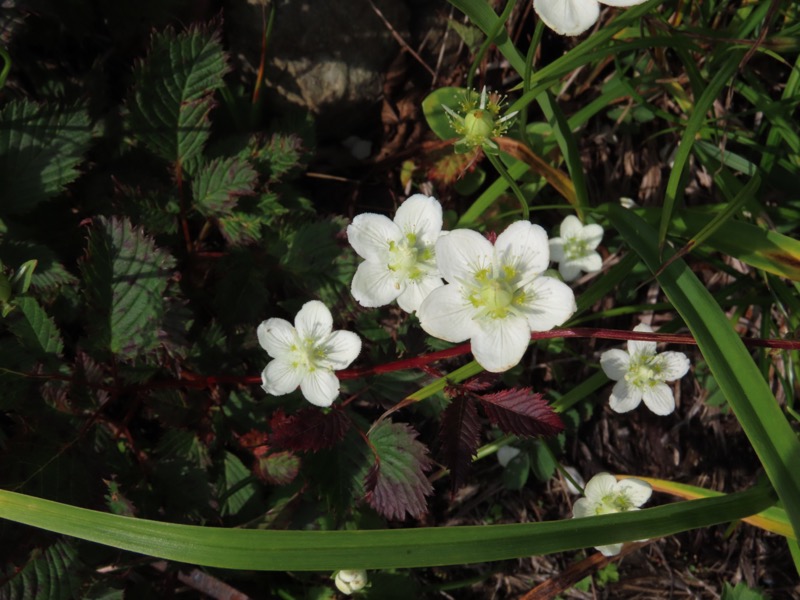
[518, 411]
[309, 429]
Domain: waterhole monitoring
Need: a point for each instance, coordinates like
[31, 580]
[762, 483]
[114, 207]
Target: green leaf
[236, 472]
[126, 276]
[742, 592]
[41, 147]
[35, 329]
[435, 115]
[173, 93]
[50, 574]
[219, 183]
[280, 550]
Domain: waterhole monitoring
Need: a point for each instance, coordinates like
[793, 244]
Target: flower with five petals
[400, 261]
[495, 295]
[306, 354]
[641, 374]
[574, 250]
[573, 17]
[604, 495]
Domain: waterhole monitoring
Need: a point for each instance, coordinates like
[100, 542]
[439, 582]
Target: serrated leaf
[309, 429]
[234, 473]
[34, 327]
[49, 274]
[522, 412]
[50, 574]
[126, 276]
[396, 485]
[459, 435]
[278, 155]
[41, 147]
[173, 93]
[218, 184]
[278, 468]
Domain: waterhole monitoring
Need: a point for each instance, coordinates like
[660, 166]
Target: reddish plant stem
[192, 380]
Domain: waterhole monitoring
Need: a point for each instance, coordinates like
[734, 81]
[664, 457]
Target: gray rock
[325, 56]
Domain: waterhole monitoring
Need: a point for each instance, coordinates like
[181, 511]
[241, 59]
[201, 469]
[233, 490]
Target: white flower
[640, 374]
[349, 581]
[574, 251]
[576, 478]
[400, 262]
[495, 294]
[307, 354]
[605, 495]
[505, 454]
[573, 17]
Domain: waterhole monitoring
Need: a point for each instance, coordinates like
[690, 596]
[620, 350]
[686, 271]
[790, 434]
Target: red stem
[192, 380]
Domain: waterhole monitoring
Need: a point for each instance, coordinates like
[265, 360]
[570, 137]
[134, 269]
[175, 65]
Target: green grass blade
[283, 550]
[675, 183]
[738, 377]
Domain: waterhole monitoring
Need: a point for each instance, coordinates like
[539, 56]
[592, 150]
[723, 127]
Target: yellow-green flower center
[575, 248]
[644, 371]
[410, 259]
[307, 354]
[495, 295]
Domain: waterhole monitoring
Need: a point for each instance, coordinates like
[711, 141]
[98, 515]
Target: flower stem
[498, 164]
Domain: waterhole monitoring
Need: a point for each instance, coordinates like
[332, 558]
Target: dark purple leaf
[459, 436]
[309, 429]
[522, 412]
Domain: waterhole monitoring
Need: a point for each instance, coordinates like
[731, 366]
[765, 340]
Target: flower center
[575, 248]
[478, 125]
[614, 503]
[495, 296]
[644, 372]
[409, 258]
[307, 354]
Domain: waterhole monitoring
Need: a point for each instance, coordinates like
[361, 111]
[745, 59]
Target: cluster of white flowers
[573, 17]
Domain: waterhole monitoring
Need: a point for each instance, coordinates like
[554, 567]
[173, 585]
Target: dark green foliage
[173, 93]
[50, 574]
[41, 147]
[219, 183]
[126, 277]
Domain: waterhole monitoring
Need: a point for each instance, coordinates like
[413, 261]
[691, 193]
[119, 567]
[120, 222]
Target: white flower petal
[636, 491]
[313, 321]
[416, 291]
[276, 336]
[505, 454]
[624, 397]
[571, 227]
[523, 247]
[637, 348]
[593, 235]
[567, 17]
[499, 344]
[375, 285]
[556, 249]
[622, 2]
[548, 303]
[422, 216]
[610, 550]
[569, 270]
[281, 377]
[369, 235]
[600, 486]
[659, 399]
[340, 349]
[615, 363]
[589, 263]
[447, 315]
[462, 253]
[576, 477]
[583, 508]
[320, 387]
[674, 365]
